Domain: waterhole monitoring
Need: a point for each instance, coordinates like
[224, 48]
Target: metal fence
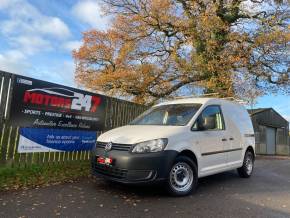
[118, 113]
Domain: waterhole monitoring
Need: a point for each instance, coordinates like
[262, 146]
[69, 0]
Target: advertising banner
[51, 140]
[37, 103]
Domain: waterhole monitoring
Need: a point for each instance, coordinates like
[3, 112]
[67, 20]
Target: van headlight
[150, 146]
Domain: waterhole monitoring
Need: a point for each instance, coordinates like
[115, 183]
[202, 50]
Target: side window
[210, 119]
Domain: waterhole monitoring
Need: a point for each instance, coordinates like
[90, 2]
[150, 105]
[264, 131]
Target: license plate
[105, 161]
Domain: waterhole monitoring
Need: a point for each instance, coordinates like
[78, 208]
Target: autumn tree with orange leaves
[161, 48]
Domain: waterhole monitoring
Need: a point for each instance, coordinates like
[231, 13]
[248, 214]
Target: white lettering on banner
[38, 122]
[52, 114]
[32, 112]
[24, 81]
[84, 126]
[68, 125]
[81, 101]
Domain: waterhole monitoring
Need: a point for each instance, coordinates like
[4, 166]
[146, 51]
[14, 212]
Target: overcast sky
[37, 37]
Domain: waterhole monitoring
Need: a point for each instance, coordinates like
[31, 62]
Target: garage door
[271, 140]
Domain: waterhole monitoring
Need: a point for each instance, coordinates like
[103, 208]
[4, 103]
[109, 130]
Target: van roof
[197, 101]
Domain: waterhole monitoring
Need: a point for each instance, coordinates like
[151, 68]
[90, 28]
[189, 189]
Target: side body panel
[239, 134]
[234, 138]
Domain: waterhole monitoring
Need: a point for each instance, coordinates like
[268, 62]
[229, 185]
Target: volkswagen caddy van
[178, 142]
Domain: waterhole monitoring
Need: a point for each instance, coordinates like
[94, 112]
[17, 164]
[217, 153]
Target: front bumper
[134, 168]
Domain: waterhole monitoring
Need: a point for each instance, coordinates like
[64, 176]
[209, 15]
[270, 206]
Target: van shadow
[156, 190]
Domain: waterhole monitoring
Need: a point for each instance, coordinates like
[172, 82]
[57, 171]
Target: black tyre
[248, 165]
[183, 177]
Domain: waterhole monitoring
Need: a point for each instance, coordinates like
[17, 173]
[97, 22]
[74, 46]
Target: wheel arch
[251, 149]
[189, 154]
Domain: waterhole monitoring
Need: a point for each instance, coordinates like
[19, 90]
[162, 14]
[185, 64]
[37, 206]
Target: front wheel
[182, 179]
[248, 165]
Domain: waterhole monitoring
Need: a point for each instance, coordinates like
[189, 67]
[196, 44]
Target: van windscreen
[167, 115]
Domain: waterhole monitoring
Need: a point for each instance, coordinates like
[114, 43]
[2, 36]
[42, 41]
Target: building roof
[257, 110]
[253, 112]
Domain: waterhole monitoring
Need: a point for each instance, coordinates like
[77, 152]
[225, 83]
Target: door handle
[224, 140]
[231, 138]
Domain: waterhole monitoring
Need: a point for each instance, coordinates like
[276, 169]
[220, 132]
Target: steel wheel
[181, 177]
[249, 164]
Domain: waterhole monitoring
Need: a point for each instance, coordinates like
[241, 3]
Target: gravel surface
[265, 194]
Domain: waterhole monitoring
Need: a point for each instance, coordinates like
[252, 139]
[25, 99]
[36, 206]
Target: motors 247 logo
[61, 99]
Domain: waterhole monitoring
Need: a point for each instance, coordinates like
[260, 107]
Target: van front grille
[115, 146]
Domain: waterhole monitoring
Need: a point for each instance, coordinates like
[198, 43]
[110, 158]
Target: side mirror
[208, 123]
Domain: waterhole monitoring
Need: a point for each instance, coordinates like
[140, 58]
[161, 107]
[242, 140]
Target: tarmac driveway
[265, 194]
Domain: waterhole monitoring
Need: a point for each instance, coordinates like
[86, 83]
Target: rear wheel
[182, 179]
[248, 165]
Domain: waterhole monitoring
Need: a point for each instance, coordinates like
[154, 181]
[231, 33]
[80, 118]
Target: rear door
[211, 140]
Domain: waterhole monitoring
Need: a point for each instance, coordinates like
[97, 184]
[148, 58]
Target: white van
[178, 142]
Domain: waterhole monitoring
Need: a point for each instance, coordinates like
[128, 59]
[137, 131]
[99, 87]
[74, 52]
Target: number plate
[105, 161]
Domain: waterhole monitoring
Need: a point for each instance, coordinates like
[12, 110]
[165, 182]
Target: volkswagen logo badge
[108, 146]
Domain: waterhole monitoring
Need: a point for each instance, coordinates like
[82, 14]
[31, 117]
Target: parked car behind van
[178, 142]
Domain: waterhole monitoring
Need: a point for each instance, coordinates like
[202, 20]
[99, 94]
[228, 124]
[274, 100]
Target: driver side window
[210, 119]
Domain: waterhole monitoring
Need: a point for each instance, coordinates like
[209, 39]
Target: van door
[234, 144]
[209, 131]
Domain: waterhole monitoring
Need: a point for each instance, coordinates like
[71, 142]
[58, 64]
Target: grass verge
[35, 175]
